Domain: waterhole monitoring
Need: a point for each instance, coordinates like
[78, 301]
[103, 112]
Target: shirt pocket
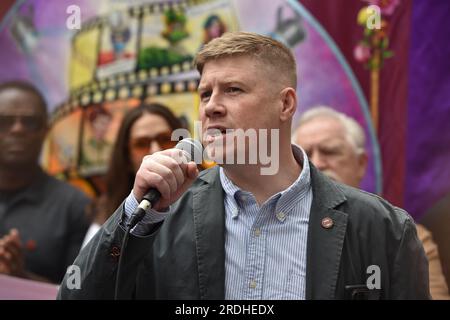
[295, 286]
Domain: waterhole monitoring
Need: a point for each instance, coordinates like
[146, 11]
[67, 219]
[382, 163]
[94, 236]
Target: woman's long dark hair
[120, 175]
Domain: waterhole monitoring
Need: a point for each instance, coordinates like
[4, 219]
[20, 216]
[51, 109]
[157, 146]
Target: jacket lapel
[209, 224]
[325, 243]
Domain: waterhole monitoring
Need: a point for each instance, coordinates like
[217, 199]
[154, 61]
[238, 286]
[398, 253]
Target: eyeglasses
[30, 123]
[164, 140]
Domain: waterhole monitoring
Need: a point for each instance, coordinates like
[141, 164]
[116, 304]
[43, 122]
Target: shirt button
[281, 216]
[257, 232]
[252, 284]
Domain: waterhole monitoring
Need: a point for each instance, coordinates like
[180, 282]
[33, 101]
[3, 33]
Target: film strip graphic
[177, 78]
[160, 7]
[139, 83]
[144, 9]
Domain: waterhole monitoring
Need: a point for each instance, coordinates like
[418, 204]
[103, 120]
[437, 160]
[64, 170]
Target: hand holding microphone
[164, 176]
[161, 179]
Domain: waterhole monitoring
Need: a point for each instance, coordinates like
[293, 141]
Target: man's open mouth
[214, 133]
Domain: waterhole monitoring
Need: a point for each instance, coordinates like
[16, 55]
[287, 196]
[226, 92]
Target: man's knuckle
[172, 165]
[158, 179]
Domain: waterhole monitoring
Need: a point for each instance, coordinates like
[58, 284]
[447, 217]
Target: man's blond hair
[267, 50]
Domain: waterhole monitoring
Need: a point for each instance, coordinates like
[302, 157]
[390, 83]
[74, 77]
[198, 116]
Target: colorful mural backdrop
[131, 51]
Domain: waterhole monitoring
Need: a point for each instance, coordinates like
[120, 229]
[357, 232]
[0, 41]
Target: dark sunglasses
[164, 140]
[30, 123]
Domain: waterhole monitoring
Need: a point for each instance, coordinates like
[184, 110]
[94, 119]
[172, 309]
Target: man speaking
[236, 232]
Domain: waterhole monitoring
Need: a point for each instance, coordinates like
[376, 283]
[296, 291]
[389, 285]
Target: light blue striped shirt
[265, 247]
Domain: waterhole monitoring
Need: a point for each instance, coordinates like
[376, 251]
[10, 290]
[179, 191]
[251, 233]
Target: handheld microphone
[192, 150]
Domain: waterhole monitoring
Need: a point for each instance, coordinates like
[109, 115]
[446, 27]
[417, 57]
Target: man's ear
[288, 98]
[363, 159]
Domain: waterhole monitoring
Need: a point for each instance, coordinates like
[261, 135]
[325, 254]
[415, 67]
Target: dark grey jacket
[184, 257]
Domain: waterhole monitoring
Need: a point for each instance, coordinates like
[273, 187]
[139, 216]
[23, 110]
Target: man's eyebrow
[201, 87]
[233, 81]
[225, 82]
[331, 142]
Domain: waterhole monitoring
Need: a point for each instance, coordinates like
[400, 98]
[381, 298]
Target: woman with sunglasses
[144, 130]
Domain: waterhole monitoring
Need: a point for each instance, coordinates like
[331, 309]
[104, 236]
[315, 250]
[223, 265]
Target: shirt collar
[34, 191]
[289, 197]
[285, 199]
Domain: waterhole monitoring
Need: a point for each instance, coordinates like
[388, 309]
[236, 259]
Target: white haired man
[335, 144]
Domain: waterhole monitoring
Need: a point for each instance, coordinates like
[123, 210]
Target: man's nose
[318, 160]
[17, 126]
[215, 107]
